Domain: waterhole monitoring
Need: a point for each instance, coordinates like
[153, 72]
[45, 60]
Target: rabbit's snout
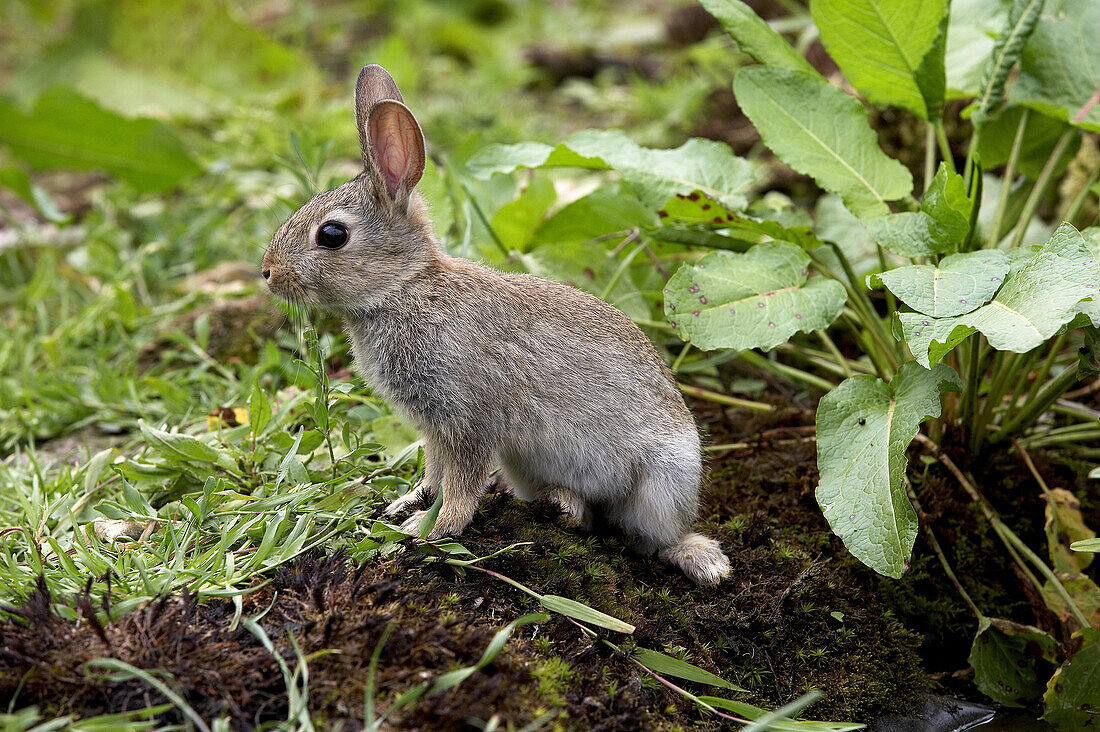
[280, 280]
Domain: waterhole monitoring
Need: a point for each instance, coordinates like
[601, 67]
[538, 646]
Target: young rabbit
[555, 386]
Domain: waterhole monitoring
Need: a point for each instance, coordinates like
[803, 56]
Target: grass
[191, 474]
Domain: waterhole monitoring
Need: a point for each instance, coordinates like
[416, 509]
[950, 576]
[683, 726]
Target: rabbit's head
[348, 247]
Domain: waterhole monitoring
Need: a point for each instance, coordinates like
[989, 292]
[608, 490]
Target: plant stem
[1048, 573]
[1025, 370]
[929, 154]
[643, 323]
[945, 147]
[971, 154]
[1004, 364]
[850, 319]
[973, 379]
[1040, 188]
[1079, 200]
[1006, 534]
[784, 371]
[930, 536]
[680, 358]
[1048, 363]
[1007, 179]
[1035, 407]
[713, 396]
[624, 263]
[823, 336]
[809, 356]
[891, 301]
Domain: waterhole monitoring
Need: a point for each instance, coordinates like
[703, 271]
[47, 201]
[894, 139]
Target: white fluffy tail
[700, 558]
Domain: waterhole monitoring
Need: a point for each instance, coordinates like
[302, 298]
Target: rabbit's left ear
[373, 86]
[395, 149]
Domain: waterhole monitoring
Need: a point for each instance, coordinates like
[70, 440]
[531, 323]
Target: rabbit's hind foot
[700, 558]
[575, 510]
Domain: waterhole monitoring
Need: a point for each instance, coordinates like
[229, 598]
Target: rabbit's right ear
[373, 86]
[395, 149]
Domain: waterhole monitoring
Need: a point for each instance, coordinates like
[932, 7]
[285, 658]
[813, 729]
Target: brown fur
[556, 386]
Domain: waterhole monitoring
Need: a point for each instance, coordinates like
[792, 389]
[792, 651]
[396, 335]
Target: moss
[552, 677]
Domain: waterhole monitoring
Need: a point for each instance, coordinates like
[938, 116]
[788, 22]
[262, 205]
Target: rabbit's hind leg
[659, 514]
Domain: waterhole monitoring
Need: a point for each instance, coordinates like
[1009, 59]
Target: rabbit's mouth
[287, 287]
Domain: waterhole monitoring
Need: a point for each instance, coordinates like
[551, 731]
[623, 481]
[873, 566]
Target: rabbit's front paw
[409, 499]
[443, 526]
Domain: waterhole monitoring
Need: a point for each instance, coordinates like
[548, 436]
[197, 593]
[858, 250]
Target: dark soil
[799, 612]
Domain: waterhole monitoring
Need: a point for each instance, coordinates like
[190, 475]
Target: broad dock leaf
[880, 46]
[754, 36]
[66, 130]
[1004, 656]
[863, 429]
[819, 130]
[958, 284]
[1040, 295]
[655, 174]
[757, 299]
[1060, 68]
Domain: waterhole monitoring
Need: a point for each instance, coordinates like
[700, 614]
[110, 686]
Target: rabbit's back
[551, 376]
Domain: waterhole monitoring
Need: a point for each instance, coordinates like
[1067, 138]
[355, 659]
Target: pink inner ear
[394, 141]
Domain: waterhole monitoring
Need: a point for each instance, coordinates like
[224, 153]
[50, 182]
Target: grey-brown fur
[555, 386]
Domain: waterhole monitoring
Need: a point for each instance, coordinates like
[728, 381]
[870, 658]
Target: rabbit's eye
[332, 235]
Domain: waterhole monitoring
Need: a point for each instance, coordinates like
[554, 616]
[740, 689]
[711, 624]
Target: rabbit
[553, 385]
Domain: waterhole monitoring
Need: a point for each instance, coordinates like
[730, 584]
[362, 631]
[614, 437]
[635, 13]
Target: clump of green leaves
[973, 329]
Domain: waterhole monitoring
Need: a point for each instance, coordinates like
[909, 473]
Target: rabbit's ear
[373, 86]
[396, 148]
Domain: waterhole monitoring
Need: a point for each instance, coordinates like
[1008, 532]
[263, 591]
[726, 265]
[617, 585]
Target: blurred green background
[149, 149]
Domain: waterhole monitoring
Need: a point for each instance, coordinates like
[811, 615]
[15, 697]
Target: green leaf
[749, 711]
[754, 36]
[940, 226]
[958, 284]
[930, 339]
[606, 210]
[910, 234]
[1010, 44]
[971, 33]
[516, 221]
[259, 410]
[1004, 656]
[880, 44]
[183, 448]
[66, 130]
[394, 432]
[947, 202]
[656, 175]
[1073, 692]
[1064, 526]
[931, 75]
[1086, 545]
[758, 299]
[1060, 68]
[1040, 295]
[699, 208]
[863, 429]
[18, 182]
[580, 611]
[819, 130]
[662, 664]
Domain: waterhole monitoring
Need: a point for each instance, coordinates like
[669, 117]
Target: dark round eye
[332, 235]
